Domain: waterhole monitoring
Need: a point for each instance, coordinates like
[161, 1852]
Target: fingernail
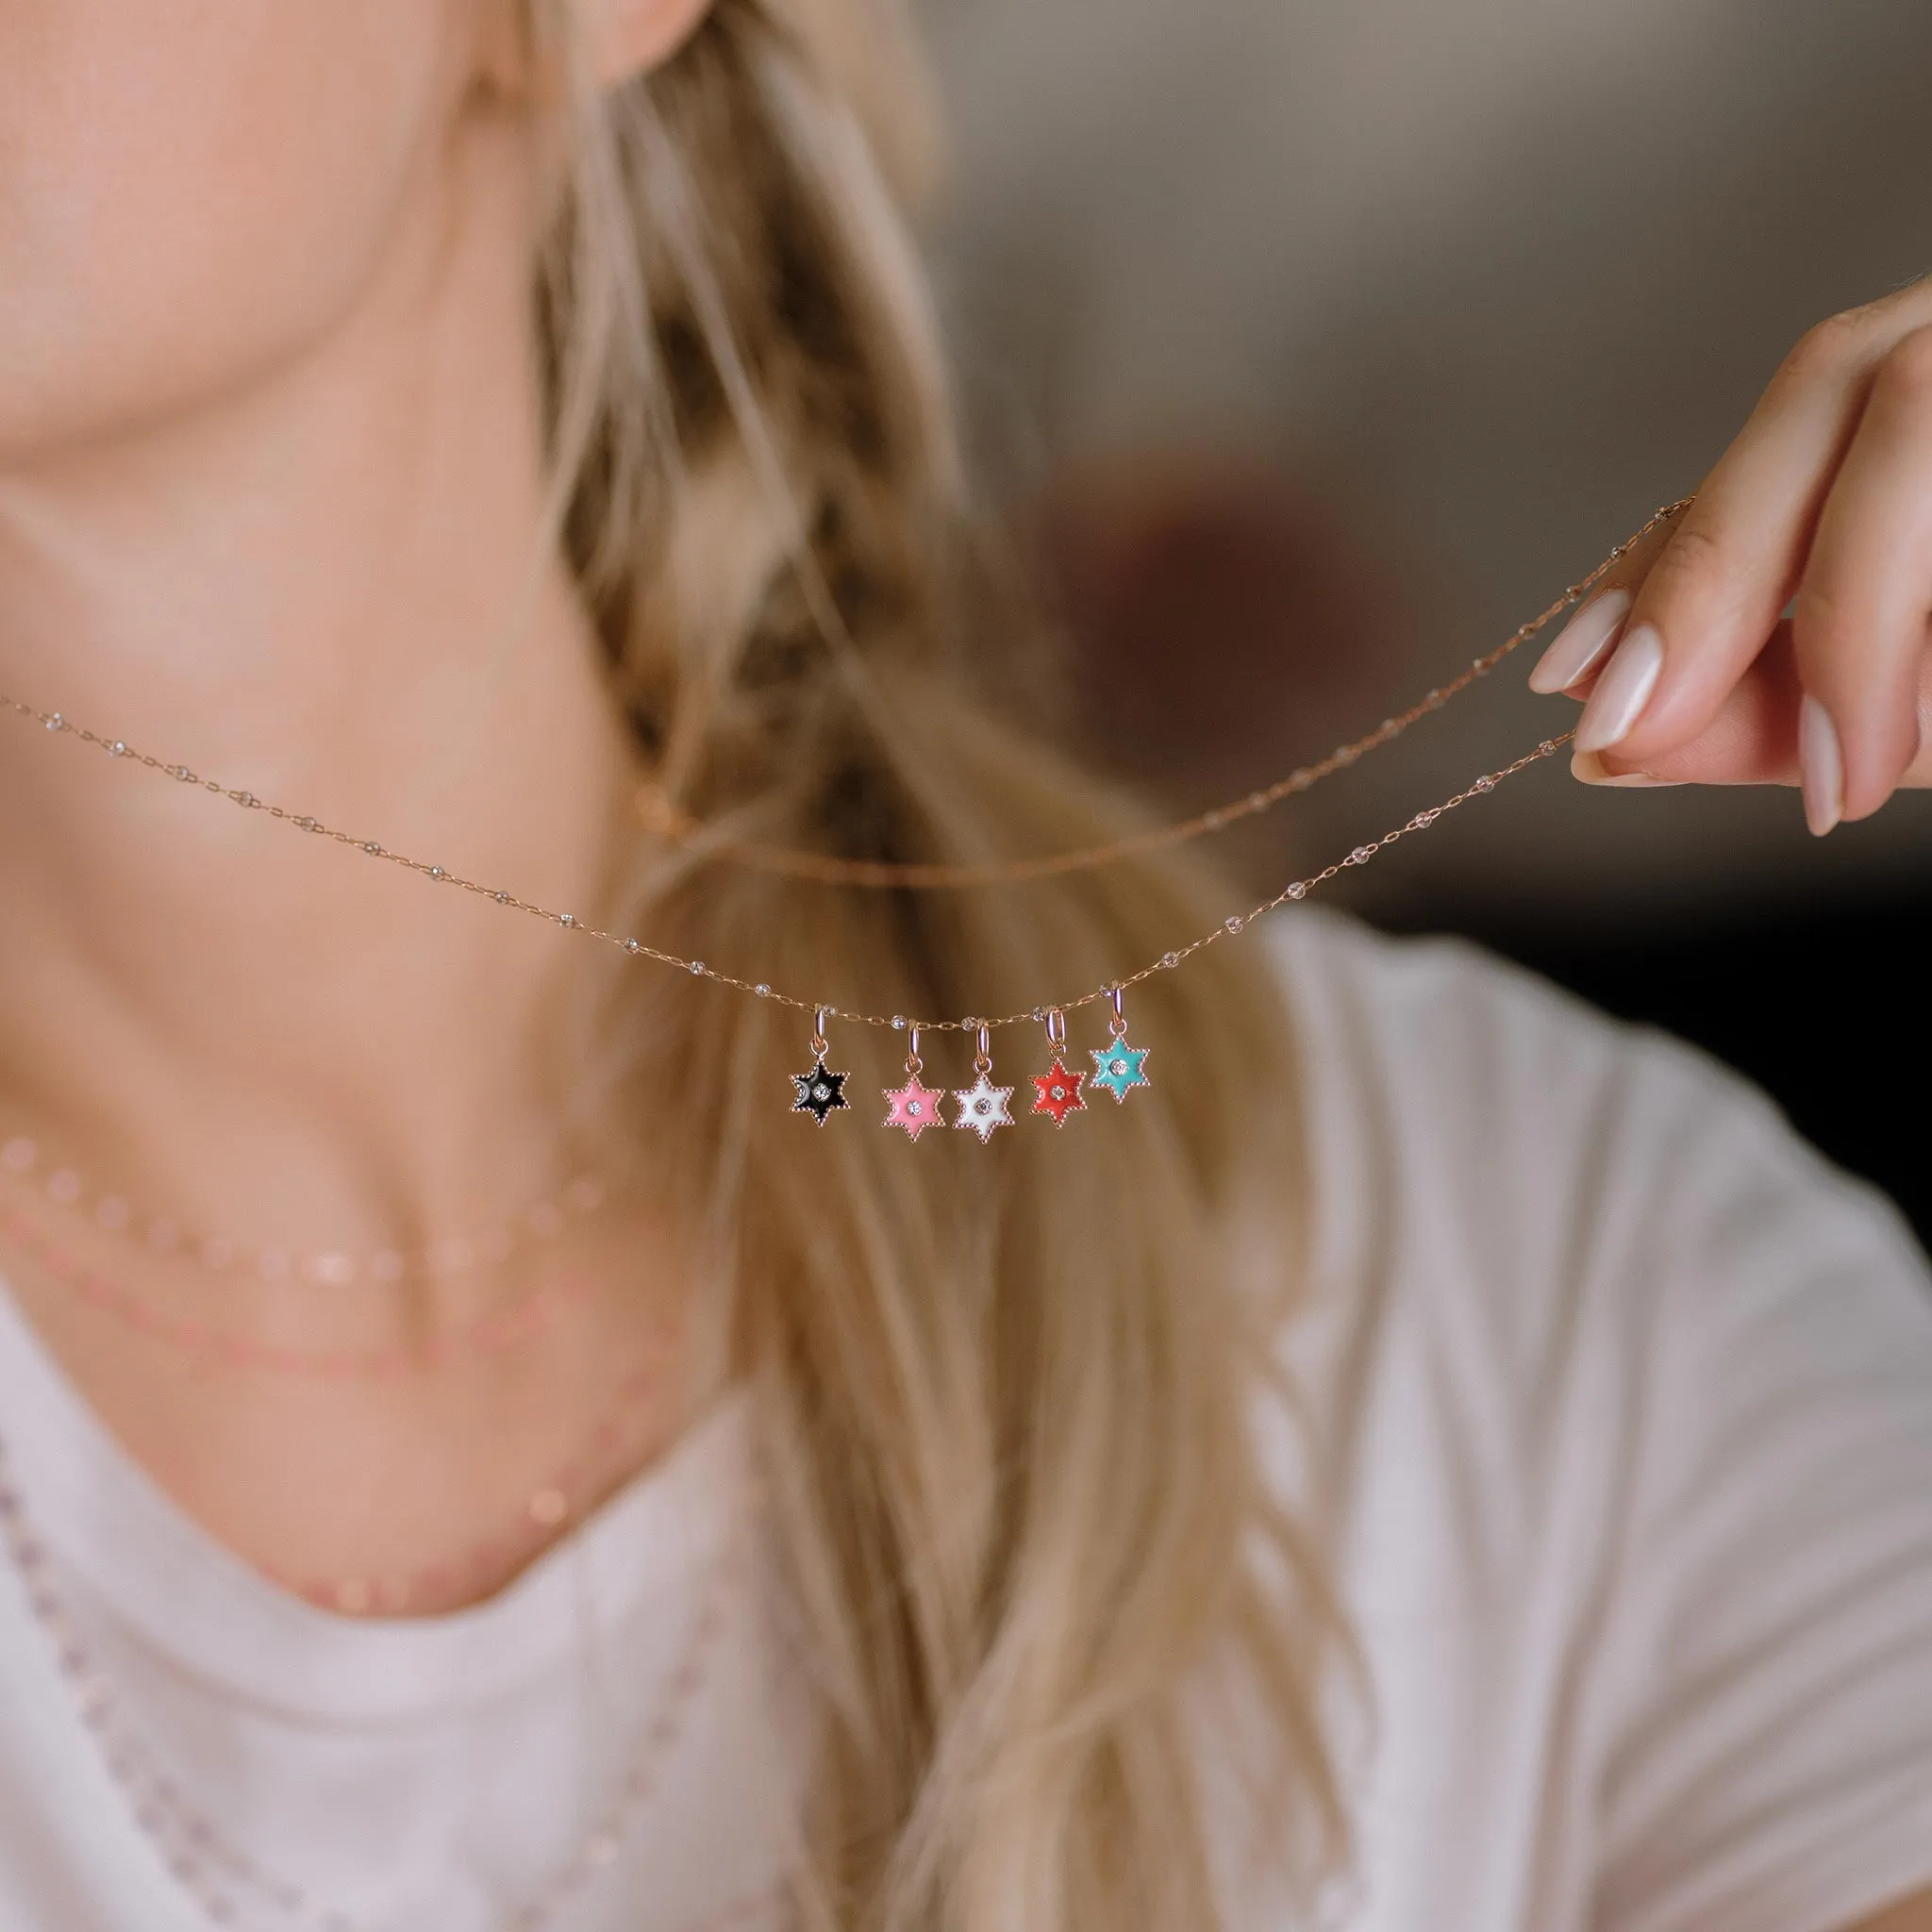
[1822, 765]
[1580, 643]
[1622, 690]
[1587, 769]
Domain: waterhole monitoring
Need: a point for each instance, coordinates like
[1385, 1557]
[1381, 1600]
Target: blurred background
[1318, 344]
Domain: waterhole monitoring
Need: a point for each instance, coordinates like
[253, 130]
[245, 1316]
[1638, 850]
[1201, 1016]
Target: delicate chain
[119, 748]
[493, 1332]
[605, 1460]
[1300, 888]
[549, 1513]
[199, 1854]
[548, 1510]
[661, 816]
[451, 1255]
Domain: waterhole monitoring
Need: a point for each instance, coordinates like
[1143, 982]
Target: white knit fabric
[1623, 1405]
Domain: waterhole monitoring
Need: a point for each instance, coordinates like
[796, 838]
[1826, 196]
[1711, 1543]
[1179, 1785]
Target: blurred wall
[1482, 281]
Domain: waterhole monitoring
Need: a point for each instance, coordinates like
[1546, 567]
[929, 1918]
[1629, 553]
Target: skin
[1822, 506]
[270, 486]
[269, 491]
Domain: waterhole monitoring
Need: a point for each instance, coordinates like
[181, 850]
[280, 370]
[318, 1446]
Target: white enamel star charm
[983, 1107]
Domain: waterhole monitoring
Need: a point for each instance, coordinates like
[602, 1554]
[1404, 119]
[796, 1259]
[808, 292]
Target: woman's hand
[1781, 629]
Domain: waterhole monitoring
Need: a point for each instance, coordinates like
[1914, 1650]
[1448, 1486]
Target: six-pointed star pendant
[1059, 1094]
[820, 1094]
[913, 1107]
[1119, 1067]
[983, 1107]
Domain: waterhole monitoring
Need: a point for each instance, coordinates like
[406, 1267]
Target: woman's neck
[331, 589]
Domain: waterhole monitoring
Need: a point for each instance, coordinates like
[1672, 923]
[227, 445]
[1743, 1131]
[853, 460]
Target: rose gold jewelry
[22, 1155]
[600, 1465]
[488, 1334]
[1057, 1092]
[820, 1094]
[808, 1100]
[912, 1107]
[983, 1108]
[1118, 1068]
[212, 1871]
[660, 816]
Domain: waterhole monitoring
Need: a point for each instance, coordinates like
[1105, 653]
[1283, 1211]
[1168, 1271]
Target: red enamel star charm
[1058, 1094]
[913, 1107]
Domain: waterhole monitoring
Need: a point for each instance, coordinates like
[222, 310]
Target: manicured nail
[1587, 769]
[1581, 643]
[1622, 690]
[1822, 764]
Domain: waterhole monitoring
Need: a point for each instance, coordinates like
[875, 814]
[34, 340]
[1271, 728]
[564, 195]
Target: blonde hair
[1004, 1393]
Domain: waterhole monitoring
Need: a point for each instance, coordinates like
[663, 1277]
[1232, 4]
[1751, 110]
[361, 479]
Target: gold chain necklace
[661, 816]
[25, 1161]
[495, 1332]
[1119, 1067]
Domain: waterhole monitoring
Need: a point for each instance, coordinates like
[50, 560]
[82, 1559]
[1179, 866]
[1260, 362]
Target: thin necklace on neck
[25, 1158]
[979, 1025]
[610, 1454]
[216, 1874]
[493, 1332]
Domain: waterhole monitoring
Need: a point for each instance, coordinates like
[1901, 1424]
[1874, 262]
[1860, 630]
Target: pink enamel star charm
[913, 1107]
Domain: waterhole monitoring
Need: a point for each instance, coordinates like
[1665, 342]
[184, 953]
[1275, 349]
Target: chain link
[1137, 846]
[660, 816]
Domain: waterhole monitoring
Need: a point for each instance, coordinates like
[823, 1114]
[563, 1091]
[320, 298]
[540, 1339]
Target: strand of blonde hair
[1004, 1404]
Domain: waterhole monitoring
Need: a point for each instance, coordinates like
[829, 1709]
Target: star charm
[820, 1094]
[983, 1107]
[1119, 1067]
[1059, 1094]
[913, 1107]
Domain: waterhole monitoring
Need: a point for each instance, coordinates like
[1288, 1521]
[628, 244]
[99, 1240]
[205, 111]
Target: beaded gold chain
[23, 1161]
[1119, 1067]
[225, 1881]
[663, 818]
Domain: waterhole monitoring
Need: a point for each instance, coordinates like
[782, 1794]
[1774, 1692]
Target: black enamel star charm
[820, 1094]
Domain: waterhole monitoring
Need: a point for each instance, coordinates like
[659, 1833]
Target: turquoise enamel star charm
[1119, 1067]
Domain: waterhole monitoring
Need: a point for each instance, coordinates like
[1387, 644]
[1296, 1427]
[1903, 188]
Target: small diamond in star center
[1058, 1094]
[1119, 1067]
[820, 1094]
[984, 1107]
[913, 1107]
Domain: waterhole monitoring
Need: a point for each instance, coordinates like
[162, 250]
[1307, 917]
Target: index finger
[1570, 663]
[1715, 595]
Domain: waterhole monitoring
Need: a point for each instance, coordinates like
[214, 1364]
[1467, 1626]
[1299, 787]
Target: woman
[474, 1458]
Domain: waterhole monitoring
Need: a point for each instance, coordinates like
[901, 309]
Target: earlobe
[628, 37]
[507, 45]
[518, 41]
